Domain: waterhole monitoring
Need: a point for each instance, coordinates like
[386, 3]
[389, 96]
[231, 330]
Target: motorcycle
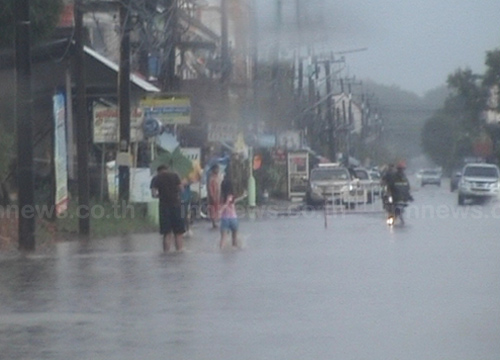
[395, 211]
[395, 207]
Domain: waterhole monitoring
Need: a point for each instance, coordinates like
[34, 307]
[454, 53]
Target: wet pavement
[356, 290]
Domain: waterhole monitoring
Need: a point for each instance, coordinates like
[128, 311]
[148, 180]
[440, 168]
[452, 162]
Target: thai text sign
[222, 131]
[60, 154]
[107, 124]
[298, 173]
[168, 109]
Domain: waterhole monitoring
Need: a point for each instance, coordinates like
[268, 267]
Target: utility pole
[124, 102]
[301, 77]
[310, 115]
[24, 112]
[329, 114]
[275, 68]
[310, 80]
[255, 66]
[171, 80]
[82, 126]
[224, 49]
[298, 17]
[225, 108]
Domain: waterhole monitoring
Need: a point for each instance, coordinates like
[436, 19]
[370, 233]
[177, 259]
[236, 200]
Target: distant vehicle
[479, 182]
[430, 177]
[454, 180]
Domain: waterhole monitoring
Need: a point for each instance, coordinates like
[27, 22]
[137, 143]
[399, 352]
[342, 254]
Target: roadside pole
[24, 113]
[329, 114]
[124, 104]
[325, 202]
[251, 182]
[82, 127]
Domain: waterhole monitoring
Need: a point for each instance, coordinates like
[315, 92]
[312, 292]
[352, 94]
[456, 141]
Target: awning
[136, 80]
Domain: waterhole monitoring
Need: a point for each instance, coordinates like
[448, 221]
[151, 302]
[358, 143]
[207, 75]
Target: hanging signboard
[60, 155]
[222, 132]
[290, 140]
[298, 174]
[107, 124]
[168, 109]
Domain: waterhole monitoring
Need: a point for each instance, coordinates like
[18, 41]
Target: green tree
[44, 16]
[492, 75]
[439, 138]
[468, 95]
[451, 132]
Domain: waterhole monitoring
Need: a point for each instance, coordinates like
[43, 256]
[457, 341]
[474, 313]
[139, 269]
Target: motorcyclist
[386, 179]
[387, 174]
[398, 185]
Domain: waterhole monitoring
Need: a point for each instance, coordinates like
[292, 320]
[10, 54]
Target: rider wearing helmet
[398, 184]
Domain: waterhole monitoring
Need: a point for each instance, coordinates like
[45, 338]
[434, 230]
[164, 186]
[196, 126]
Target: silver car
[479, 181]
[329, 182]
[430, 177]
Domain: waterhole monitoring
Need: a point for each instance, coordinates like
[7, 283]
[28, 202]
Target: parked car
[365, 182]
[430, 177]
[327, 180]
[479, 182]
[377, 178]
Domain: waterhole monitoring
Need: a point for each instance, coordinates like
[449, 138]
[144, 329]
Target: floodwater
[355, 290]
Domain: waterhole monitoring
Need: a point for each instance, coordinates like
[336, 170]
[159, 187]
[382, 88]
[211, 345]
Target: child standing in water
[228, 220]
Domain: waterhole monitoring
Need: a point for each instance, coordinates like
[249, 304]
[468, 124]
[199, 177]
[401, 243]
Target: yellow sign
[168, 109]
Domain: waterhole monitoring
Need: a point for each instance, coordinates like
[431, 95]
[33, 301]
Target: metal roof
[138, 81]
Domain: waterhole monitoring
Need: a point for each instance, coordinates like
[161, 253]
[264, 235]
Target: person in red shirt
[228, 220]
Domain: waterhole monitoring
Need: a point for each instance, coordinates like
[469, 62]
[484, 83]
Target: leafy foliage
[438, 138]
[492, 75]
[447, 135]
[470, 96]
[175, 160]
[457, 130]
[44, 15]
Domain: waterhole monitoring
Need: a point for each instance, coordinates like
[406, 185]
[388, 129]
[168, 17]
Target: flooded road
[356, 290]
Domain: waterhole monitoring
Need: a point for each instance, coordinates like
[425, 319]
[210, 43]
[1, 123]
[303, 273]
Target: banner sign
[168, 109]
[60, 154]
[140, 182]
[290, 140]
[107, 124]
[222, 131]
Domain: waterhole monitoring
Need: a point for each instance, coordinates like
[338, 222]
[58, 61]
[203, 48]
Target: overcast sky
[410, 44]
